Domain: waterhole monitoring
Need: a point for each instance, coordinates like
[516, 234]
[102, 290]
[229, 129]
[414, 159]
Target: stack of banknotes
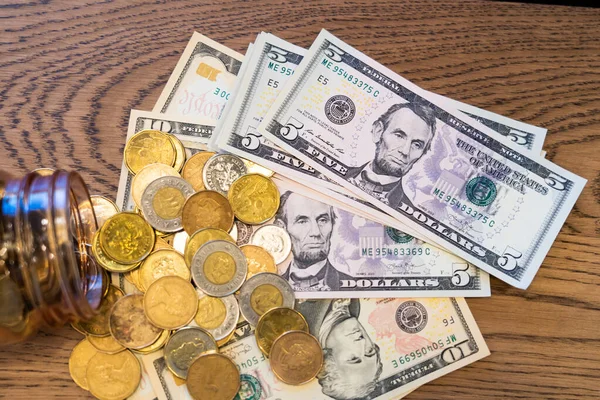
[398, 202]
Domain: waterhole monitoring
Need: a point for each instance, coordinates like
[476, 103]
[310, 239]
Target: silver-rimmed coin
[263, 292]
[221, 170]
[219, 268]
[184, 346]
[275, 240]
[163, 201]
[217, 315]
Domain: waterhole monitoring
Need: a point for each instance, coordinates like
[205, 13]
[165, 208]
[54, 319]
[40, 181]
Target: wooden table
[70, 72]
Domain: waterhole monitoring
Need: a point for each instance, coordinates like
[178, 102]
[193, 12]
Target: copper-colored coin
[149, 147]
[81, 355]
[254, 198]
[171, 302]
[113, 376]
[104, 208]
[276, 322]
[201, 237]
[127, 238]
[179, 152]
[206, 209]
[192, 170]
[203, 383]
[129, 325]
[145, 177]
[296, 357]
[258, 260]
[99, 324]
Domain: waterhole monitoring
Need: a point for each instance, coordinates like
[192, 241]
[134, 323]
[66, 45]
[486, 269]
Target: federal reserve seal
[398, 236]
[340, 109]
[411, 317]
[250, 388]
[481, 191]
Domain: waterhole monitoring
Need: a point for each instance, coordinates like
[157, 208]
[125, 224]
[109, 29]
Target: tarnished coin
[179, 152]
[254, 168]
[206, 209]
[99, 324]
[159, 344]
[113, 376]
[171, 302]
[203, 383]
[80, 357]
[276, 322]
[149, 147]
[221, 170]
[218, 315]
[296, 357]
[106, 344]
[254, 198]
[184, 346]
[199, 238]
[275, 240]
[146, 176]
[127, 238]
[258, 260]
[104, 208]
[162, 202]
[263, 292]
[129, 325]
[192, 170]
[219, 268]
[162, 263]
[105, 261]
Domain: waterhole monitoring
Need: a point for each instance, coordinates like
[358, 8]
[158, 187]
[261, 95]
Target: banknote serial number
[356, 81]
[394, 251]
[422, 352]
[463, 207]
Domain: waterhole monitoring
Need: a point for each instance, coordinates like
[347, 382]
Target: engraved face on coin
[275, 240]
[219, 268]
[218, 315]
[99, 324]
[192, 170]
[179, 153]
[258, 260]
[146, 176]
[159, 344]
[162, 202]
[129, 325]
[81, 355]
[127, 238]
[206, 209]
[104, 208]
[148, 147]
[105, 261]
[203, 383]
[171, 302]
[184, 346]
[254, 198]
[106, 344]
[276, 322]
[200, 238]
[263, 292]
[221, 170]
[162, 263]
[113, 376]
[296, 357]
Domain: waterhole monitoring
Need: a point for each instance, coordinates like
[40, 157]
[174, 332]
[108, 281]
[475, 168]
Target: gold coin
[99, 324]
[258, 260]
[179, 152]
[219, 267]
[203, 383]
[160, 342]
[129, 325]
[296, 357]
[133, 277]
[225, 340]
[211, 312]
[254, 199]
[78, 362]
[163, 263]
[276, 322]
[265, 297]
[146, 176]
[105, 261]
[171, 302]
[113, 376]
[149, 147]
[254, 168]
[104, 208]
[161, 243]
[201, 237]
[192, 170]
[127, 238]
[106, 344]
[206, 209]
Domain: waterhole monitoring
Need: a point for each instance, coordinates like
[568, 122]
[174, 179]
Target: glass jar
[47, 276]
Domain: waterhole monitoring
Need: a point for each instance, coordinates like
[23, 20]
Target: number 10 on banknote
[420, 160]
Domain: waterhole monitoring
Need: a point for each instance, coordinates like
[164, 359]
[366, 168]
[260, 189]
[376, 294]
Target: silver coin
[232, 315]
[221, 170]
[275, 240]
[244, 232]
[262, 292]
[207, 281]
[157, 222]
[184, 346]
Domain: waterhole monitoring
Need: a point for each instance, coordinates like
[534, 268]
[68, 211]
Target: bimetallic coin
[171, 302]
[184, 346]
[199, 238]
[219, 268]
[275, 240]
[146, 176]
[276, 322]
[203, 383]
[148, 147]
[179, 152]
[80, 357]
[106, 344]
[221, 170]
[126, 238]
[113, 376]
[254, 168]
[162, 263]
[218, 315]
[206, 209]
[129, 325]
[104, 208]
[99, 324]
[296, 357]
[263, 292]
[254, 199]
[192, 170]
[162, 202]
[258, 260]
[159, 344]
[105, 261]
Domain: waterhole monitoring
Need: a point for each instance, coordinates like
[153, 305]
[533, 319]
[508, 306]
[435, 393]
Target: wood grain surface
[70, 71]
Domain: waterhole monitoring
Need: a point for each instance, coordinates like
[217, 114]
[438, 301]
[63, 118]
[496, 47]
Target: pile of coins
[191, 278]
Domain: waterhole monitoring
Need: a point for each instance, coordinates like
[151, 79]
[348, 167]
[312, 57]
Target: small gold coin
[254, 168]
[113, 376]
[171, 302]
[127, 238]
[179, 152]
[276, 322]
[106, 344]
[129, 325]
[201, 237]
[211, 312]
[78, 361]
[149, 147]
[296, 357]
[203, 383]
[106, 262]
[206, 209]
[146, 176]
[192, 170]
[163, 263]
[160, 342]
[104, 208]
[258, 260]
[99, 324]
[254, 199]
